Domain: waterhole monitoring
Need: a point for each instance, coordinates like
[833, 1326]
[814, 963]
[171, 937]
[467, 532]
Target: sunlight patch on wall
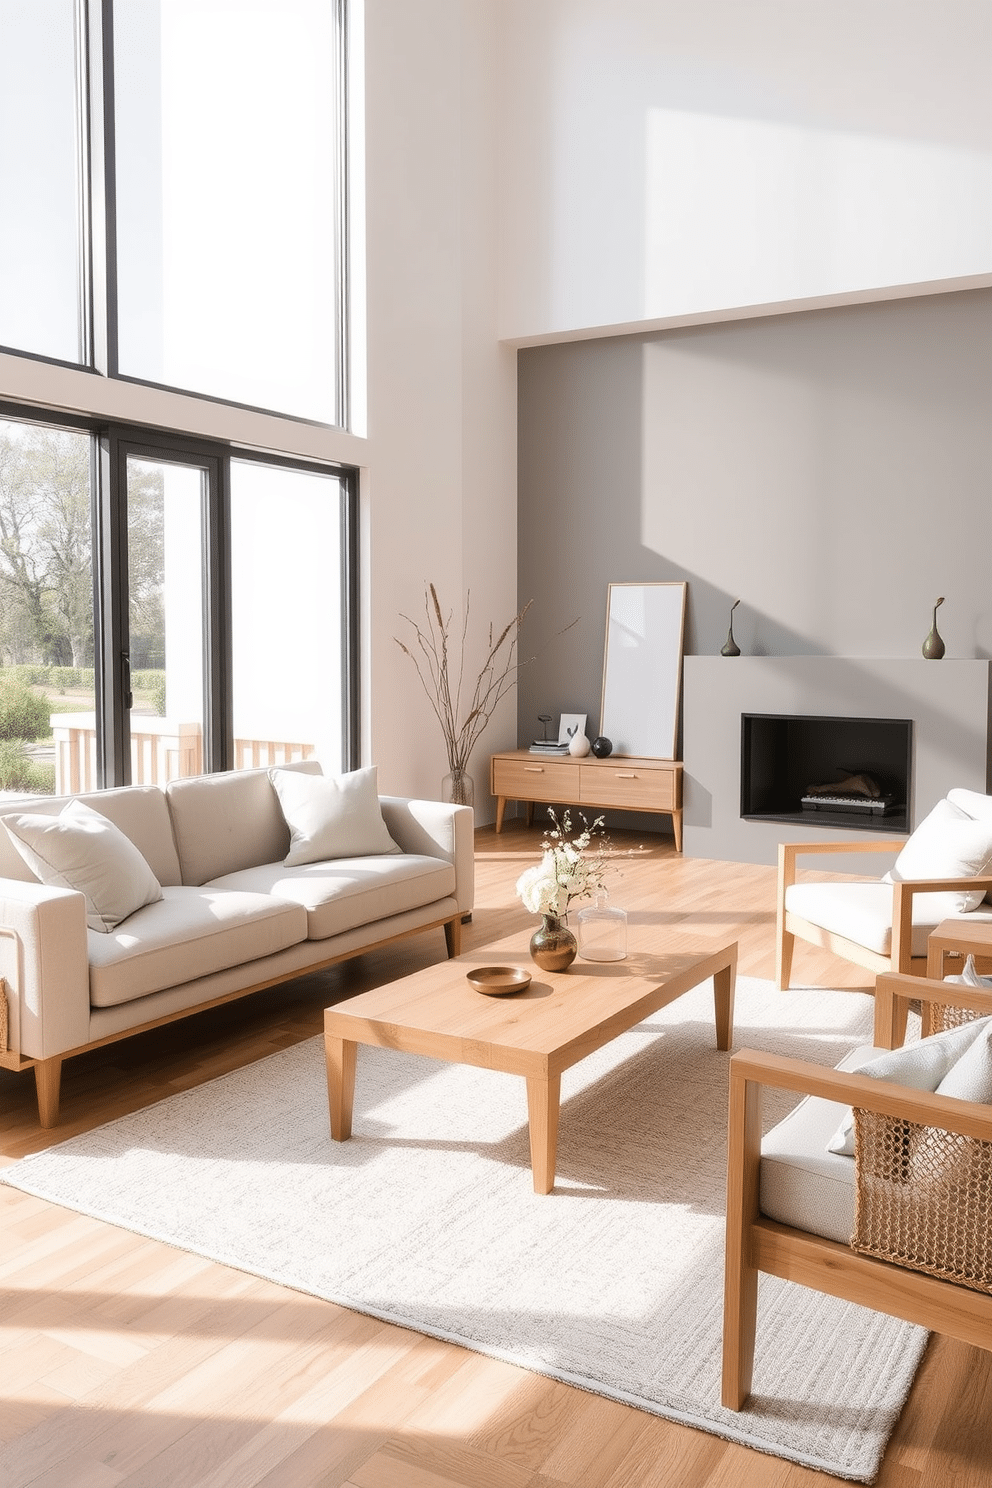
[747, 212]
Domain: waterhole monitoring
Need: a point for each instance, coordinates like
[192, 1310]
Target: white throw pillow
[969, 977]
[972, 803]
[970, 1077]
[922, 1066]
[80, 849]
[332, 816]
[947, 844]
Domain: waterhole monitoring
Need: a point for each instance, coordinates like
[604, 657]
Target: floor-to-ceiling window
[173, 200]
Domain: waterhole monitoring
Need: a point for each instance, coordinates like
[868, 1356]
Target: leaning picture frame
[571, 725]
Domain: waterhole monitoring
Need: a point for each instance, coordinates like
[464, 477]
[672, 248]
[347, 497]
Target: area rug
[427, 1217]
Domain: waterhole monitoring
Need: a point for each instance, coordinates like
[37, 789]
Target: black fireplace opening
[827, 772]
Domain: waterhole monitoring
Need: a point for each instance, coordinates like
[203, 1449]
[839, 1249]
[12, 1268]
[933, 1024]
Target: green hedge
[19, 773]
[23, 714]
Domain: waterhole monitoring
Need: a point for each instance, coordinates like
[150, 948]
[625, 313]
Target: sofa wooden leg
[453, 936]
[48, 1081]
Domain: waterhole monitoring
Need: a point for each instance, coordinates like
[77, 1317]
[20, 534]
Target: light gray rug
[427, 1217]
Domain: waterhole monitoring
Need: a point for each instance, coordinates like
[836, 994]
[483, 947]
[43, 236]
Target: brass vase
[553, 946]
[933, 646]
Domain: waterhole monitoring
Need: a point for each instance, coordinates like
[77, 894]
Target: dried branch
[443, 682]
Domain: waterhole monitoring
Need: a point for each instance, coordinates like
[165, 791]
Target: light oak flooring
[123, 1362]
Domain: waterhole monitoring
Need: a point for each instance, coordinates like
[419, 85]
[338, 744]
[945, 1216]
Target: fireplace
[794, 769]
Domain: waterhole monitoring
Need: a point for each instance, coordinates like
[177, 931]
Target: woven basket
[944, 1016]
[923, 1199]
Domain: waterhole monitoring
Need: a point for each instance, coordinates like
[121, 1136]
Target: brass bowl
[498, 981]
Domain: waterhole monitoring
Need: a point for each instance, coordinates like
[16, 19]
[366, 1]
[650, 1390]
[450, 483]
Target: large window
[41, 180]
[166, 609]
[173, 199]
[173, 194]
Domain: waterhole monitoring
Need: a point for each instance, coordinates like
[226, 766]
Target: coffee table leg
[724, 982]
[543, 1104]
[341, 1055]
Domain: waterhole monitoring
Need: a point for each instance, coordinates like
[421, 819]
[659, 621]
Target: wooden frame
[756, 1244]
[642, 667]
[890, 1010]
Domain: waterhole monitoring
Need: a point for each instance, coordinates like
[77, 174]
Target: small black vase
[730, 646]
[602, 747]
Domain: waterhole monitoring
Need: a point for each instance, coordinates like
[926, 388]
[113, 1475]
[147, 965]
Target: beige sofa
[233, 916]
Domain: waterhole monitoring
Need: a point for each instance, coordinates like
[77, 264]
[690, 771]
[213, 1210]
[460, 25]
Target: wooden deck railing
[160, 751]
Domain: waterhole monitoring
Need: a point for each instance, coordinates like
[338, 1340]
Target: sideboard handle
[535, 769]
[626, 774]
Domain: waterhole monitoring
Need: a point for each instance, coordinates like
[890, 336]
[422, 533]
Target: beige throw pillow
[332, 816]
[80, 849]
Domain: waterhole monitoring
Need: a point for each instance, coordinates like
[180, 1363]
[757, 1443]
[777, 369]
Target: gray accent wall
[832, 469]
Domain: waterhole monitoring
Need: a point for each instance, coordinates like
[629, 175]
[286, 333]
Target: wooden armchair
[960, 1307]
[877, 925]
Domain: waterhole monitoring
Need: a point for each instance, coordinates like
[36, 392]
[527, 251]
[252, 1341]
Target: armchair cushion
[948, 843]
[862, 912]
[802, 1183]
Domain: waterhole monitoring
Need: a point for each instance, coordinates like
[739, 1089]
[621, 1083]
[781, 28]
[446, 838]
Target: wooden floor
[123, 1362]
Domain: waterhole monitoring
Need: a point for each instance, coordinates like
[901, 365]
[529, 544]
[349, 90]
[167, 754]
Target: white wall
[666, 161]
[441, 491]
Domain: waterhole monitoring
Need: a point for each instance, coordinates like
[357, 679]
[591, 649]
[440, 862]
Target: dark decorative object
[544, 719]
[730, 646]
[553, 946]
[933, 646]
[602, 747]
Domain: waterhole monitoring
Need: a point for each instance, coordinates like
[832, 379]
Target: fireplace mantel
[947, 701]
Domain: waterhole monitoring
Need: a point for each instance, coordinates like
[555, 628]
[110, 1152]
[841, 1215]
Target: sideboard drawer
[627, 786]
[534, 780]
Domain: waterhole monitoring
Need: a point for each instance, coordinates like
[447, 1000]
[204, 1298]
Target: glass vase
[553, 946]
[602, 931]
[458, 787]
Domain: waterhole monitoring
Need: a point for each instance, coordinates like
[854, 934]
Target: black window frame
[111, 443]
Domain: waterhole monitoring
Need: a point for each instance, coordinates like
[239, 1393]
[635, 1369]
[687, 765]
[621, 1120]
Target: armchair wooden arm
[756, 1244]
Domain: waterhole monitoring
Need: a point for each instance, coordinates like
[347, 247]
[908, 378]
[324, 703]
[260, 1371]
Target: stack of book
[548, 746]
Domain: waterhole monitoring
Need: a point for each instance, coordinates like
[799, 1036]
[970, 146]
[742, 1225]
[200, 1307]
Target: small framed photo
[570, 725]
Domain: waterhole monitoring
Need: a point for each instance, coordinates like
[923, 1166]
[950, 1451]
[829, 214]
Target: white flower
[564, 872]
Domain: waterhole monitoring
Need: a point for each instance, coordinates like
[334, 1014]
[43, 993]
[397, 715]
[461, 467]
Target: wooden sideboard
[618, 782]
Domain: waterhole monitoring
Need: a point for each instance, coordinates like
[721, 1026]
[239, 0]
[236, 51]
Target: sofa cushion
[81, 850]
[862, 912]
[228, 821]
[139, 811]
[332, 816]
[948, 843]
[189, 933]
[349, 892]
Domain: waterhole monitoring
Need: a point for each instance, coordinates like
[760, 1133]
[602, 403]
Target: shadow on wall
[825, 466]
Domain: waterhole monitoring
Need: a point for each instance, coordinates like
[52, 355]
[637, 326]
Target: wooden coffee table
[557, 1021]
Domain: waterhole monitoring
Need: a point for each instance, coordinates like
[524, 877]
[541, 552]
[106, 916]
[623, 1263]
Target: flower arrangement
[567, 869]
